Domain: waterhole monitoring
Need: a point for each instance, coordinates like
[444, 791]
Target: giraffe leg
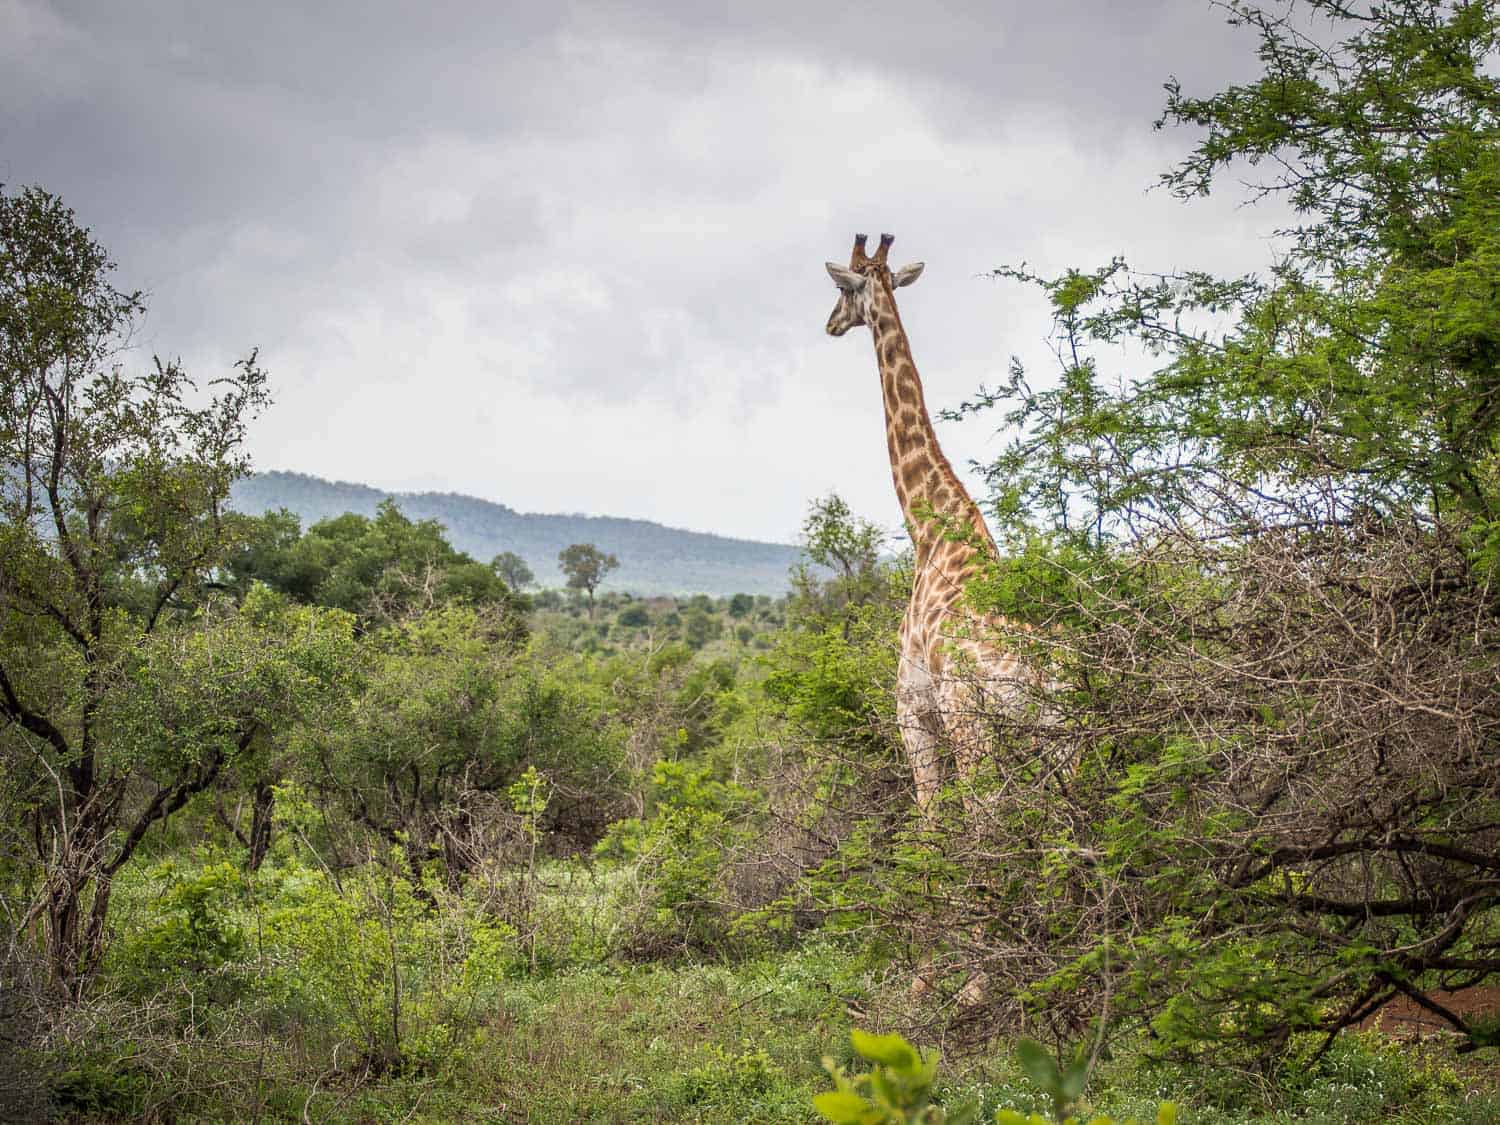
[920, 735]
[920, 723]
[919, 718]
[960, 702]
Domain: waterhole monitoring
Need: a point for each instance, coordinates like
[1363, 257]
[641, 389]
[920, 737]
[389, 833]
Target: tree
[512, 567]
[111, 489]
[1267, 566]
[586, 567]
[447, 718]
[379, 569]
[699, 626]
[846, 572]
[1360, 374]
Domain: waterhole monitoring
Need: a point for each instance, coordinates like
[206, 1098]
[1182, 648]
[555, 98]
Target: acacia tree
[111, 489]
[586, 567]
[1359, 374]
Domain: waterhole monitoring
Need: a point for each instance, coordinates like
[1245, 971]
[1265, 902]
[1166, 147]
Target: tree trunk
[75, 926]
[261, 815]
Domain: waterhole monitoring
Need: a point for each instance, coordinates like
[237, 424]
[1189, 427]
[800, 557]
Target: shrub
[404, 972]
[899, 1088]
[678, 859]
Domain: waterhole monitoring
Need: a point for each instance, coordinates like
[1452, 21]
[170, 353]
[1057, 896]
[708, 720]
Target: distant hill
[653, 559]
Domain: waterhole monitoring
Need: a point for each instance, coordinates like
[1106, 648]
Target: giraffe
[945, 672]
[943, 668]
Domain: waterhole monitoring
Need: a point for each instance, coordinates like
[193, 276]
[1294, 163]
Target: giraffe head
[862, 280]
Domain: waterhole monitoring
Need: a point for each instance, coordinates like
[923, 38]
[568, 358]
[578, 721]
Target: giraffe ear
[907, 274]
[845, 279]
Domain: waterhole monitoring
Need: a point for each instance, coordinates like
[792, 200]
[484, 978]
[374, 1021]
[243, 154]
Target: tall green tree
[112, 482]
[586, 567]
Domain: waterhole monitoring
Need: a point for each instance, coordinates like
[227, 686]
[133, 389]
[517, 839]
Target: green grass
[587, 1037]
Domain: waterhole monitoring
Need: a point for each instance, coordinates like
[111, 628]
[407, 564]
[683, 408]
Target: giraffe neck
[926, 484]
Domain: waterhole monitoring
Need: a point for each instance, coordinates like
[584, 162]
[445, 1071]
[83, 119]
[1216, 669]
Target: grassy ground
[715, 1044]
[568, 1033]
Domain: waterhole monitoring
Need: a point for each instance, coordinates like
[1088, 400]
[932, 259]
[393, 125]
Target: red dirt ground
[1404, 1018]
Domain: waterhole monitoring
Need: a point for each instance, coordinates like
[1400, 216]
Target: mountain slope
[653, 559]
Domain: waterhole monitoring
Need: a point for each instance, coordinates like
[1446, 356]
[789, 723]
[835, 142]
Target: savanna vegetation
[336, 822]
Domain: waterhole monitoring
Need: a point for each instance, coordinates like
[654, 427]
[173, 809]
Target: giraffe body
[946, 675]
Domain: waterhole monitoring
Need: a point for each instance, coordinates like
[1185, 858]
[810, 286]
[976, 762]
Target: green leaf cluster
[897, 1090]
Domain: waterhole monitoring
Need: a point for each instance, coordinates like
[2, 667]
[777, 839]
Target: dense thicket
[1263, 797]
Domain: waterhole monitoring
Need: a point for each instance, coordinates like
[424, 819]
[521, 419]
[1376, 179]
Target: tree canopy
[1359, 374]
[111, 526]
[586, 567]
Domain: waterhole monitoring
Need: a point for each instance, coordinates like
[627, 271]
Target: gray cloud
[569, 256]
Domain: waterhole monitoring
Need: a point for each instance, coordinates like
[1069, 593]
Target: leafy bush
[899, 1088]
[403, 971]
[677, 859]
[197, 933]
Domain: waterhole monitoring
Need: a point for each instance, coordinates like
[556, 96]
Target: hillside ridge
[654, 558]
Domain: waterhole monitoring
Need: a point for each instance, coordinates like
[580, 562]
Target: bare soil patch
[1404, 1018]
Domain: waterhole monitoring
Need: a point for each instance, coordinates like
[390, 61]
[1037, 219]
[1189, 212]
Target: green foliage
[678, 858]
[727, 1079]
[1063, 1087]
[701, 626]
[231, 686]
[449, 711]
[586, 567]
[834, 683]
[111, 1092]
[379, 569]
[197, 929]
[1355, 376]
[528, 796]
[400, 970]
[897, 1090]
[634, 616]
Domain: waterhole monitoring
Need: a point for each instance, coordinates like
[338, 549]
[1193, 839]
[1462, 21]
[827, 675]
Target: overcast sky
[569, 256]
